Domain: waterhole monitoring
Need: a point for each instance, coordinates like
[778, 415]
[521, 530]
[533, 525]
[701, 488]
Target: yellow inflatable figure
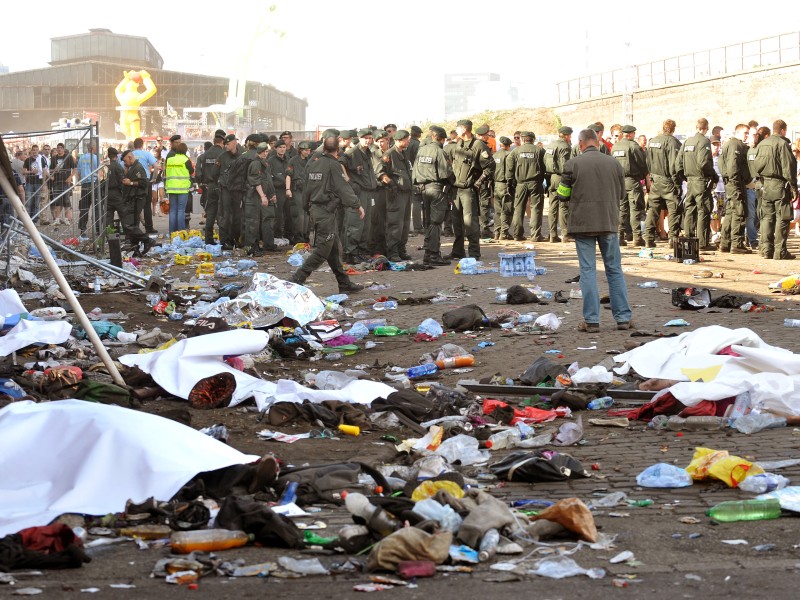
[130, 100]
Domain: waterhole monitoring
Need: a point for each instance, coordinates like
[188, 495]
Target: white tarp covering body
[770, 374]
[72, 456]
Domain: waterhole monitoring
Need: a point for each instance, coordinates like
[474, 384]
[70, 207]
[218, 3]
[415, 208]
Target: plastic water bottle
[463, 360]
[207, 540]
[601, 403]
[648, 284]
[545, 295]
[488, 545]
[753, 423]
[388, 305]
[508, 438]
[289, 494]
[175, 316]
[503, 297]
[676, 423]
[97, 285]
[422, 370]
[791, 322]
[745, 510]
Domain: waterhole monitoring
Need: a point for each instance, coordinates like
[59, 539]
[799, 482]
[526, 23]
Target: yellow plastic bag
[428, 489]
[720, 464]
[183, 259]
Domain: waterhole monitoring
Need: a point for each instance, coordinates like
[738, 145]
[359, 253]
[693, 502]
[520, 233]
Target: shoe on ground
[589, 327]
[148, 244]
[406, 256]
[741, 250]
[451, 257]
[538, 238]
[784, 256]
[507, 236]
[711, 248]
[436, 261]
[622, 242]
[151, 231]
[555, 240]
[575, 279]
[640, 242]
[622, 326]
[265, 473]
[628, 237]
[395, 258]
[350, 286]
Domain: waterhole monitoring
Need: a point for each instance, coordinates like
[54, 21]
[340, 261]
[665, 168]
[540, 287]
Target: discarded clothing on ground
[49, 547]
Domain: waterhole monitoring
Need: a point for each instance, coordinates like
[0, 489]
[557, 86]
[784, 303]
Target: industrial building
[85, 70]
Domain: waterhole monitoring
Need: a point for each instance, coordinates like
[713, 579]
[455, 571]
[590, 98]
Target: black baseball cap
[230, 138]
[174, 138]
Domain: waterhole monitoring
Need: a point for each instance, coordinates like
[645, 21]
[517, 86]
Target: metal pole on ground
[23, 216]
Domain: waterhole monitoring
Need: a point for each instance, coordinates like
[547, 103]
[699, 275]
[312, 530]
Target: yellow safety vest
[176, 175]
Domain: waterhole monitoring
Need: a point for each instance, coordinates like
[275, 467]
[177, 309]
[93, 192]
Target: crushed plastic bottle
[422, 370]
[464, 360]
[387, 330]
[448, 519]
[430, 327]
[763, 482]
[507, 438]
[648, 284]
[388, 305]
[218, 432]
[753, 423]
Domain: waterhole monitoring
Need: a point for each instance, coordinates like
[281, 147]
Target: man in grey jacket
[594, 185]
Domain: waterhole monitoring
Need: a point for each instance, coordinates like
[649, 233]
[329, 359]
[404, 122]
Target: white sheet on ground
[10, 303]
[26, 333]
[72, 456]
[178, 368]
[771, 374]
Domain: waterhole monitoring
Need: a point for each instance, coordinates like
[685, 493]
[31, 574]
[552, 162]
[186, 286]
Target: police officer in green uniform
[135, 191]
[776, 164]
[259, 203]
[295, 180]
[432, 175]
[556, 154]
[364, 183]
[736, 174]
[485, 192]
[471, 167]
[662, 164]
[634, 163]
[503, 191]
[210, 177]
[230, 199]
[527, 164]
[377, 226]
[416, 198]
[278, 164]
[326, 188]
[696, 165]
[398, 208]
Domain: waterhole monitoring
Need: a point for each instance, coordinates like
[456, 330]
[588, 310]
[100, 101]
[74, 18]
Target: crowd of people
[734, 192]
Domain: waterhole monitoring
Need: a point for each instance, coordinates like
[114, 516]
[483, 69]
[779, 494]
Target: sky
[361, 62]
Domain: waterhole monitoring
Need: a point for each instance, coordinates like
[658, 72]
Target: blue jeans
[752, 226]
[609, 250]
[177, 212]
[32, 191]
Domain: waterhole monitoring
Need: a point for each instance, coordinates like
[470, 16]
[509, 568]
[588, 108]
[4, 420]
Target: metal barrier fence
[63, 204]
[776, 50]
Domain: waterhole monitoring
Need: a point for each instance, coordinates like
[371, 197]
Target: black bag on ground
[733, 301]
[319, 483]
[542, 369]
[518, 294]
[258, 519]
[539, 465]
[412, 408]
[690, 298]
[465, 318]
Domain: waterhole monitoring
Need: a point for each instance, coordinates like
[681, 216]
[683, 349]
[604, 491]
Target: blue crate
[518, 264]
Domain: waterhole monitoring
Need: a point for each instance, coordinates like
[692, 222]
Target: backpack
[319, 483]
[540, 465]
[465, 318]
[237, 174]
